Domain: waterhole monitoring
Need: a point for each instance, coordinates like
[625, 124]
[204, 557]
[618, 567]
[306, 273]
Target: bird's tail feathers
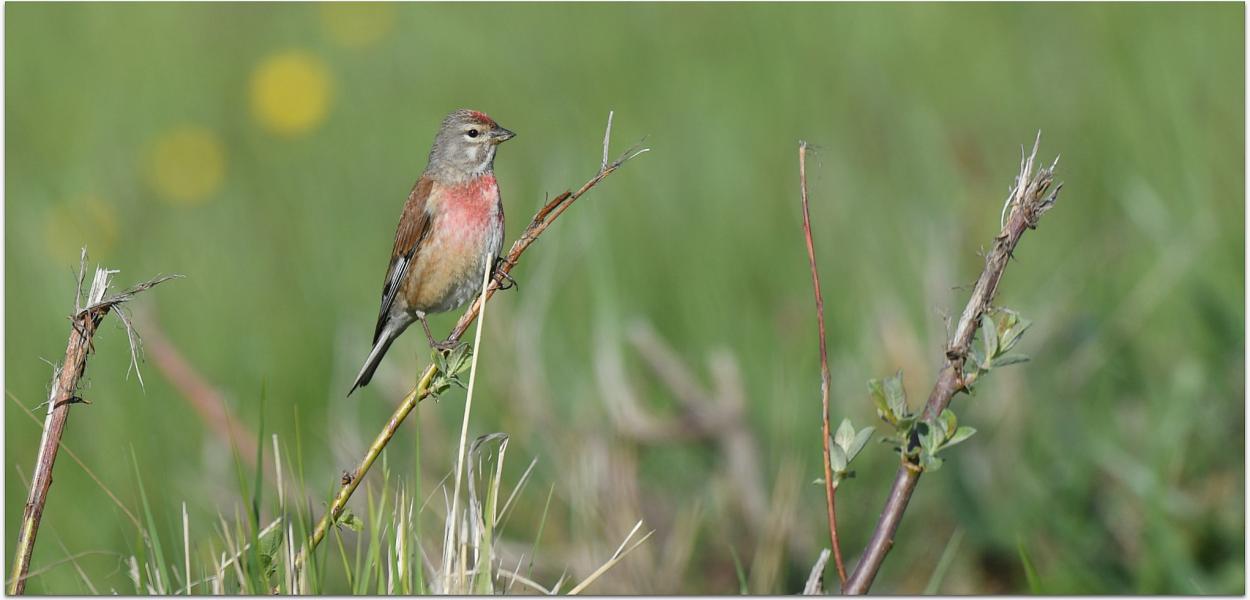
[381, 345]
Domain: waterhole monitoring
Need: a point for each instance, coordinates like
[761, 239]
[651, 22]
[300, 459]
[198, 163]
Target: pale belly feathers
[448, 269]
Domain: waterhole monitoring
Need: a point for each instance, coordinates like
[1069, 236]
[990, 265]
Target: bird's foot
[445, 346]
[501, 277]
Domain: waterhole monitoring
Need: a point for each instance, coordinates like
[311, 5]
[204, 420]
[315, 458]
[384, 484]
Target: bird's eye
[472, 133]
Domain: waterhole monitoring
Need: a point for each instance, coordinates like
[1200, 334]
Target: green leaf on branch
[1010, 328]
[891, 399]
[1009, 359]
[948, 421]
[895, 394]
[450, 366]
[937, 435]
[931, 437]
[845, 436]
[1001, 330]
[978, 359]
[883, 406]
[861, 439]
[960, 435]
[837, 459]
[989, 335]
[844, 445]
[350, 521]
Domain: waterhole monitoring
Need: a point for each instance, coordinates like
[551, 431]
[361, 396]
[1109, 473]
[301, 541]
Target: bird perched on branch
[451, 229]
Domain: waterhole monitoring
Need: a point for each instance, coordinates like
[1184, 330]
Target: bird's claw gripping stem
[444, 346]
[501, 277]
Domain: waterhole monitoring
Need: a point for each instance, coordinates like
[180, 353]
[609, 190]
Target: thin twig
[830, 491]
[1030, 198]
[85, 321]
[541, 221]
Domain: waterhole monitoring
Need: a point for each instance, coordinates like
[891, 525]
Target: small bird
[451, 229]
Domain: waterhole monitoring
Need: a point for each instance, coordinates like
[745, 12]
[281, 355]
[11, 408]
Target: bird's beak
[500, 135]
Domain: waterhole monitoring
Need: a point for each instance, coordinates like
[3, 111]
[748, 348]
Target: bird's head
[465, 145]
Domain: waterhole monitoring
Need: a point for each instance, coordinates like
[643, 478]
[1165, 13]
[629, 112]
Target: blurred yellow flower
[357, 24]
[186, 164]
[85, 221]
[290, 92]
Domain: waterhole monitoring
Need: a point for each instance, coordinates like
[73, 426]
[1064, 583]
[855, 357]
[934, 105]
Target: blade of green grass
[257, 569]
[1035, 585]
[542, 522]
[743, 588]
[944, 563]
[347, 568]
[158, 554]
[508, 506]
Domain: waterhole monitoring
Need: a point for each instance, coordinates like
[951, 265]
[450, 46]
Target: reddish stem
[824, 369]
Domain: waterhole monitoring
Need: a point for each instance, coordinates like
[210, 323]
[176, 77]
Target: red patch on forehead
[480, 116]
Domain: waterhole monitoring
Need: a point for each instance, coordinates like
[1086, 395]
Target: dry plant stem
[54, 426]
[452, 529]
[85, 322]
[543, 219]
[824, 368]
[1028, 201]
[815, 579]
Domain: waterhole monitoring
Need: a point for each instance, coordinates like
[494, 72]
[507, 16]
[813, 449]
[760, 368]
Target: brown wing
[414, 224]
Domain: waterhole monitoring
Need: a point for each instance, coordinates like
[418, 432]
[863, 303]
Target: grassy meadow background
[265, 151]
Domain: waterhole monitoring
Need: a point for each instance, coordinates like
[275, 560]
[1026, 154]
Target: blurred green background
[265, 152]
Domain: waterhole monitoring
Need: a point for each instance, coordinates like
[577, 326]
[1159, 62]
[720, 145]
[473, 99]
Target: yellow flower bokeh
[186, 164]
[85, 221]
[290, 92]
[356, 24]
